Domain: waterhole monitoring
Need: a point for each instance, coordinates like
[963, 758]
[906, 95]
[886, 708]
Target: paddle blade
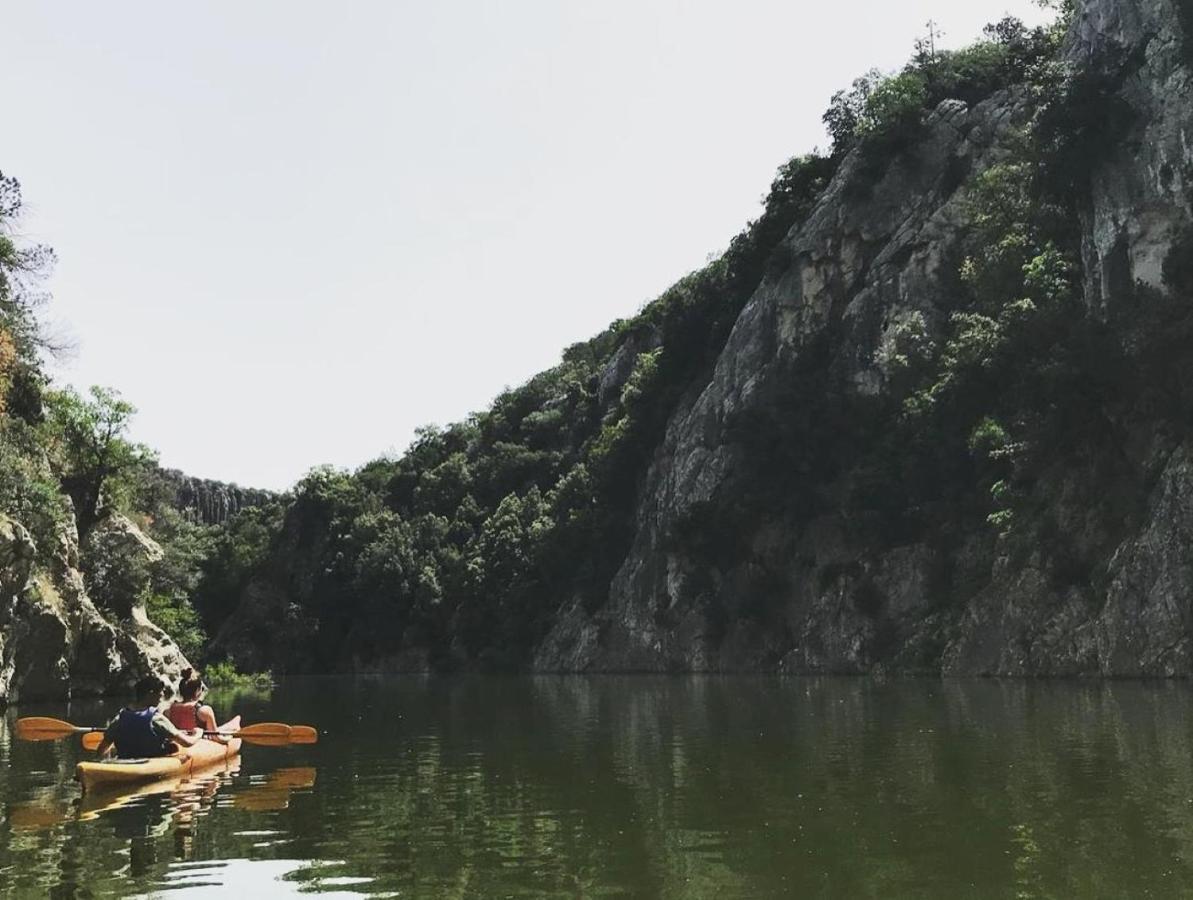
[299, 777]
[267, 740]
[92, 740]
[303, 734]
[42, 728]
[264, 729]
[34, 816]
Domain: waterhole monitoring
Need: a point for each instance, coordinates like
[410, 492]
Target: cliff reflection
[671, 787]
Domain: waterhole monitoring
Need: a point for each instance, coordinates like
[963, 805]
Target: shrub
[175, 616]
[224, 676]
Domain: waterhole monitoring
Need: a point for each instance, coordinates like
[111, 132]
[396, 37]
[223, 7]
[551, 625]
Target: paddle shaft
[41, 728]
[265, 733]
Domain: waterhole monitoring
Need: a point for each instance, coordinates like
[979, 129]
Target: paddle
[269, 734]
[43, 728]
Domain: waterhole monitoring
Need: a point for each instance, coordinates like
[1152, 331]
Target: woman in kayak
[190, 711]
[141, 730]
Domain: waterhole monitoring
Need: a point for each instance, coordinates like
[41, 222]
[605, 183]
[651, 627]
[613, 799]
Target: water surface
[640, 787]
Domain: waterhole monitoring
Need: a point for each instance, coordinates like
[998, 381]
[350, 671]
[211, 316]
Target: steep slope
[56, 641]
[76, 573]
[958, 599]
[929, 413]
[204, 500]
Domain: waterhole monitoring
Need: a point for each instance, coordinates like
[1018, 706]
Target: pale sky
[292, 232]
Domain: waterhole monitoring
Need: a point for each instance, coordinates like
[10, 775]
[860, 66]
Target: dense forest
[944, 429]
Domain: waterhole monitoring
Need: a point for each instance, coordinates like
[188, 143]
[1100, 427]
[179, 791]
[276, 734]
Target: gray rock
[865, 263]
[54, 642]
[1142, 196]
[208, 501]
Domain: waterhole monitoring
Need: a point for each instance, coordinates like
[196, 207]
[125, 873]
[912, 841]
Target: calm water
[641, 787]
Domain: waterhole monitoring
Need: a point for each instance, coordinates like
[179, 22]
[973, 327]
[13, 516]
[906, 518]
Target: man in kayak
[141, 730]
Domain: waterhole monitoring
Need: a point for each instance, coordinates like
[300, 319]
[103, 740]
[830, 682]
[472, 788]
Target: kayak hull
[99, 774]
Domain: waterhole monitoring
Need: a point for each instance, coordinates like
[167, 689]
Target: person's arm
[182, 738]
[206, 718]
[109, 741]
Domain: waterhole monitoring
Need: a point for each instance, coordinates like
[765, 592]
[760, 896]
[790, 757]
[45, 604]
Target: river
[643, 786]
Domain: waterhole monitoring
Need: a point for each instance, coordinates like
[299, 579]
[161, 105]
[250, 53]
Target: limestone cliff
[929, 413]
[864, 262]
[206, 501]
[56, 641]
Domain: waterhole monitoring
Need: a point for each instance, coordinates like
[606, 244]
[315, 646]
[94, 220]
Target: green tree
[23, 267]
[95, 460]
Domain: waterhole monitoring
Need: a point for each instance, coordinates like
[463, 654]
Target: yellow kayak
[115, 772]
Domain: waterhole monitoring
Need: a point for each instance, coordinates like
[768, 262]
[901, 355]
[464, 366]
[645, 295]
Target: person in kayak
[190, 711]
[141, 730]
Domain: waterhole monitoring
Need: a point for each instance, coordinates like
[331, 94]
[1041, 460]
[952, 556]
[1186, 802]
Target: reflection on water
[651, 787]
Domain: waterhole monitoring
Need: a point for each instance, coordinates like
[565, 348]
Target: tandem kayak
[112, 773]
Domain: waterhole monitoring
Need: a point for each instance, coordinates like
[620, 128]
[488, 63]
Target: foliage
[178, 618]
[23, 268]
[28, 489]
[1079, 114]
[53, 441]
[88, 447]
[465, 547]
[881, 113]
[117, 570]
[224, 676]
[218, 563]
[893, 108]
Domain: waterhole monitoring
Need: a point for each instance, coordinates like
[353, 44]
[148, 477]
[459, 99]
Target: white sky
[290, 232]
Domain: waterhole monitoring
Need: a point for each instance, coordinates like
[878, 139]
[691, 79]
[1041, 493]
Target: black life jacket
[135, 736]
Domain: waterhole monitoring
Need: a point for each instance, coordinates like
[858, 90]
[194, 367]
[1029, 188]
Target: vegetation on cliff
[67, 466]
[463, 551]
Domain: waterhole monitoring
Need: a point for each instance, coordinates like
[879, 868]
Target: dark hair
[190, 684]
[150, 684]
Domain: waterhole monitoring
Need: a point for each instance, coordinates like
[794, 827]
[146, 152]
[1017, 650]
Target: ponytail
[188, 687]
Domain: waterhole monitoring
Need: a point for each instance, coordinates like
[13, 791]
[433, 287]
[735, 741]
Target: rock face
[210, 502]
[863, 263]
[55, 642]
[1143, 195]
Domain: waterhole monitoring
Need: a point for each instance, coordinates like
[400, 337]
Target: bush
[893, 111]
[880, 112]
[28, 490]
[224, 676]
[175, 616]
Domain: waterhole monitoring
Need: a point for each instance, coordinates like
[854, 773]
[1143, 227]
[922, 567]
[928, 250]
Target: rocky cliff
[206, 501]
[929, 413]
[56, 641]
[864, 262]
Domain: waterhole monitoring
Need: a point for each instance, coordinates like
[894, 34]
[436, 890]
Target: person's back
[183, 715]
[136, 735]
[190, 711]
[140, 730]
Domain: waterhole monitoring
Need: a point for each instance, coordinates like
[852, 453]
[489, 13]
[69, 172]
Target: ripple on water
[256, 878]
[654, 787]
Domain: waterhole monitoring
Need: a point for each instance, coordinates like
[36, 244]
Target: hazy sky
[291, 232]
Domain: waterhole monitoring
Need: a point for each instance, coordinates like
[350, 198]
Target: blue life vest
[135, 736]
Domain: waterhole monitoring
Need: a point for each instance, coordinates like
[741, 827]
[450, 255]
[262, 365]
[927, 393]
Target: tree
[23, 267]
[94, 459]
